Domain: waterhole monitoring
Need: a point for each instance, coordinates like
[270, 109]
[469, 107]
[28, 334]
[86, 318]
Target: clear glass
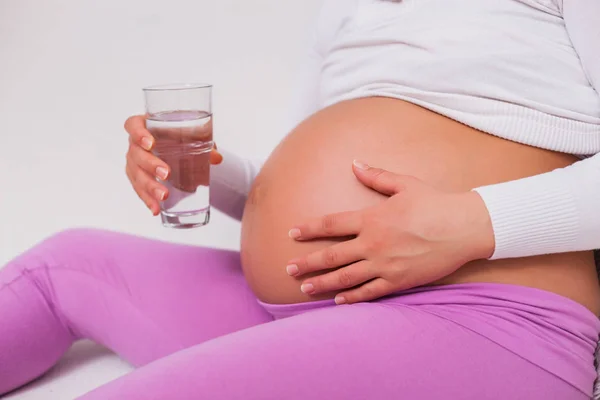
[180, 119]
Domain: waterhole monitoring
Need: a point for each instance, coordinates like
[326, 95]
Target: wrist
[480, 235]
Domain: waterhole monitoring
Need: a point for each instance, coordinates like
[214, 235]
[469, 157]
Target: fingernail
[360, 165]
[292, 269]
[162, 173]
[146, 143]
[294, 233]
[340, 300]
[307, 288]
[160, 194]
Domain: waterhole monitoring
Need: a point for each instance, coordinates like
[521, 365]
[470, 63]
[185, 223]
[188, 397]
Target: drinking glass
[179, 117]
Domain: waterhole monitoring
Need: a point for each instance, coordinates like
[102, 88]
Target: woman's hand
[143, 167]
[418, 235]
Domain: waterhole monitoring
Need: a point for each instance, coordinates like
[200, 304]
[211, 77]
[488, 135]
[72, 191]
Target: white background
[71, 73]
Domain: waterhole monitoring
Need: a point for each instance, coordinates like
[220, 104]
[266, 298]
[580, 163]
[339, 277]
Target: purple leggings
[185, 316]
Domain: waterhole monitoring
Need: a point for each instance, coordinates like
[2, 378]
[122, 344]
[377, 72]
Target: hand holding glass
[179, 117]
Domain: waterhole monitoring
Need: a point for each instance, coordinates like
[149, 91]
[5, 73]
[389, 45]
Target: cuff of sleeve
[532, 216]
[230, 183]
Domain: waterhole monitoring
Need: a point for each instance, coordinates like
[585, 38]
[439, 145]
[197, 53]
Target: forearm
[549, 213]
[231, 182]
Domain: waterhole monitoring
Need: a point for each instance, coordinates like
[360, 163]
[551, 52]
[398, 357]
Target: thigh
[361, 351]
[142, 298]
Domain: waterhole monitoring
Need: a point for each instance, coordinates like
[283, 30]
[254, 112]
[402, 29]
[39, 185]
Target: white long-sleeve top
[524, 70]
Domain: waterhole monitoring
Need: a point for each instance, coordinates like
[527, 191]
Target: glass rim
[177, 86]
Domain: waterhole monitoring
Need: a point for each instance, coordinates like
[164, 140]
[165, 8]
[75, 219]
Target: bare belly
[309, 174]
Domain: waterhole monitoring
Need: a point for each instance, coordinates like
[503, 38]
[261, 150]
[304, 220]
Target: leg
[361, 351]
[143, 299]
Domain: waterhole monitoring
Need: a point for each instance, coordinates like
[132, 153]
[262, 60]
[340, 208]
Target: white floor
[85, 367]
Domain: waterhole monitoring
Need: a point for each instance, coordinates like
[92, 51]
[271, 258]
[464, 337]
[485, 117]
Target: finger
[331, 257]
[215, 157]
[369, 291]
[414, 275]
[148, 162]
[148, 189]
[333, 225]
[136, 128]
[147, 183]
[343, 278]
[383, 181]
[148, 200]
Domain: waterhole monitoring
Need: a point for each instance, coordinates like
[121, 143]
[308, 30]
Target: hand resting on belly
[418, 235]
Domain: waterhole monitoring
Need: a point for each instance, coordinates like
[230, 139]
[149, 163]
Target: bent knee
[73, 236]
[58, 249]
[71, 240]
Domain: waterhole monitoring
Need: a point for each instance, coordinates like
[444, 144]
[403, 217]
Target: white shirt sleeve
[230, 183]
[558, 211]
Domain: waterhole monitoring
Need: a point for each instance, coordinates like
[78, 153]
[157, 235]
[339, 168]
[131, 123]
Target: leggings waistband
[549, 330]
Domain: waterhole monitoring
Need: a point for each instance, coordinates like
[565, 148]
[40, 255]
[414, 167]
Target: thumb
[383, 181]
[215, 157]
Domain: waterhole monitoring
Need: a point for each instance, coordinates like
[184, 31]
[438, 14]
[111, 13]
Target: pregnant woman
[459, 265]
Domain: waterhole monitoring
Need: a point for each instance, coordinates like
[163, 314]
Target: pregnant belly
[309, 174]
